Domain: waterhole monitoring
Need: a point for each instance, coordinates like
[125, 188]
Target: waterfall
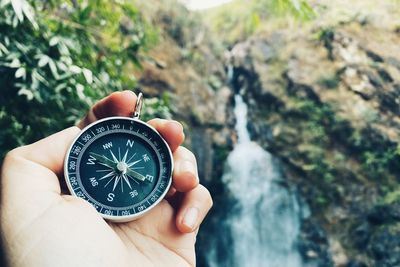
[264, 222]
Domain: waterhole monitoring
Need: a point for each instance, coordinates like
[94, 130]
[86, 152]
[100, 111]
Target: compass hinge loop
[138, 106]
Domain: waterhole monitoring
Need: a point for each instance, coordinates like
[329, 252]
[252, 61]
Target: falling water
[264, 223]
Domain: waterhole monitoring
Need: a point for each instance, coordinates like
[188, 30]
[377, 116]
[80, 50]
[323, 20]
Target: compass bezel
[168, 159]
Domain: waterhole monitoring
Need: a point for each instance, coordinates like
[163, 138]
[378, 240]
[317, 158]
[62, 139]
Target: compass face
[122, 166]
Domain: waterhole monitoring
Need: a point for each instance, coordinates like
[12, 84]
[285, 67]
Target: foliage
[314, 121]
[329, 82]
[332, 152]
[297, 8]
[157, 108]
[58, 57]
[239, 19]
[392, 196]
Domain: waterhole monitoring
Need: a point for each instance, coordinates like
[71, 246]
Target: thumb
[29, 182]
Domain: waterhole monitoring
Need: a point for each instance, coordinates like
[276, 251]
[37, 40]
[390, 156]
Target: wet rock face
[313, 245]
[385, 248]
[329, 109]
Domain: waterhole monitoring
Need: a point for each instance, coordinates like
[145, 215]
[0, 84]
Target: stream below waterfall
[263, 222]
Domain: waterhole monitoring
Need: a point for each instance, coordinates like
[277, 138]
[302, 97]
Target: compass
[120, 165]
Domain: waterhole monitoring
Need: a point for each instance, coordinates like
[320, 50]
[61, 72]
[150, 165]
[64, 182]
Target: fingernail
[187, 166]
[126, 92]
[177, 123]
[190, 218]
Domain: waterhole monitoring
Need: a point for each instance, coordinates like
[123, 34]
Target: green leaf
[3, 3]
[60, 87]
[3, 49]
[88, 75]
[29, 13]
[15, 63]
[79, 89]
[75, 69]
[53, 69]
[54, 41]
[296, 4]
[21, 72]
[26, 92]
[17, 6]
[43, 61]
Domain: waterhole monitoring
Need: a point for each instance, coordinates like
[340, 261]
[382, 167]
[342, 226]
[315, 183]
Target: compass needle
[121, 150]
[135, 175]
[103, 160]
[133, 178]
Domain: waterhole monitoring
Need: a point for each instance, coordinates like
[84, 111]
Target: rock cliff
[325, 100]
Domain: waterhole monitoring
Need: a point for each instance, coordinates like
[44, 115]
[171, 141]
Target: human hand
[43, 226]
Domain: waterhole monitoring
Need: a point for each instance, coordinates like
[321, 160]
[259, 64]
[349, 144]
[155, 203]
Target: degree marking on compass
[80, 143]
[92, 133]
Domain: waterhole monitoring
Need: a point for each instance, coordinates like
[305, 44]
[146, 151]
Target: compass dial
[122, 166]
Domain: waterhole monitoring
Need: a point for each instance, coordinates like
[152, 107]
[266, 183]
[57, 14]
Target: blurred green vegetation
[58, 57]
[240, 19]
[326, 142]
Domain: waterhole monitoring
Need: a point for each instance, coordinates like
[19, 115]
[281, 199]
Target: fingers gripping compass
[120, 165]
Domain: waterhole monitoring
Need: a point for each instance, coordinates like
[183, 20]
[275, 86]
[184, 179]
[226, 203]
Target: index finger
[116, 104]
[170, 130]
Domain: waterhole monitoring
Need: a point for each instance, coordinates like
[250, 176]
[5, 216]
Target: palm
[149, 240]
